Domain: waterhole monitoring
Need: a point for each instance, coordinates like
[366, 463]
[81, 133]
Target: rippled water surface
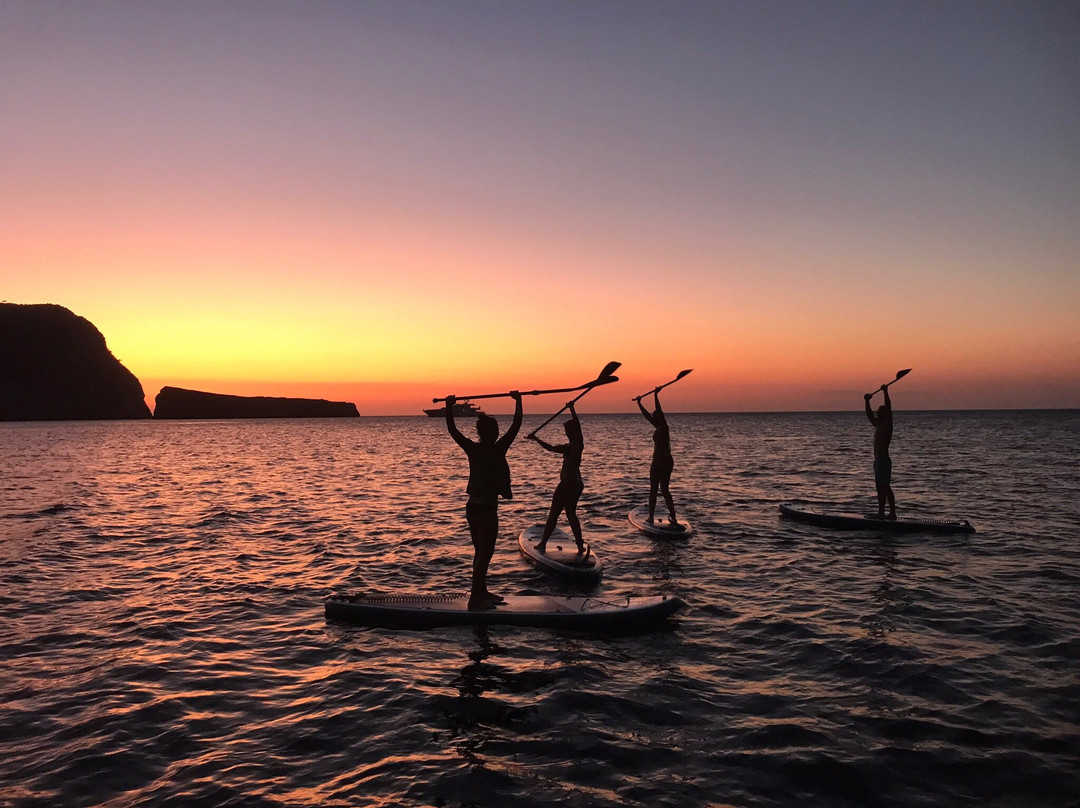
[163, 639]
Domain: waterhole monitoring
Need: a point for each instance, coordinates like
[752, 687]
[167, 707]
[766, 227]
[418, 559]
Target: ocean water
[163, 639]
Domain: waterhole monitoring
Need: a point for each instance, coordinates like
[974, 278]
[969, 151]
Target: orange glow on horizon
[703, 391]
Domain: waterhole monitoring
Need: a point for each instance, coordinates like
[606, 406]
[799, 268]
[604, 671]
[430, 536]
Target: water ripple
[164, 642]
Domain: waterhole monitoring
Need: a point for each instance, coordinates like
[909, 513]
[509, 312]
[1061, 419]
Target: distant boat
[462, 409]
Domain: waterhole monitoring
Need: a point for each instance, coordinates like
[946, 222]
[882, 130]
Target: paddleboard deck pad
[659, 528]
[561, 557]
[417, 611]
[854, 521]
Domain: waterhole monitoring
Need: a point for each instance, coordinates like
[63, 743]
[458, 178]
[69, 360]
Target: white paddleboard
[659, 528]
[417, 611]
[561, 557]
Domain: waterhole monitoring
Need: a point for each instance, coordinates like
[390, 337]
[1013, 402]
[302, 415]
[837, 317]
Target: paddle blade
[609, 368]
[902, 373]
[683, 373]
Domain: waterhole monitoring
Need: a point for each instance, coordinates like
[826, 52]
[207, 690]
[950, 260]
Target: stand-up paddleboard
[604, 614]
[561, 557]
[659, 528]
[854, 521]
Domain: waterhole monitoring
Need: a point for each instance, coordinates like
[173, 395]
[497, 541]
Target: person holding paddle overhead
[662, 461]
[883, 429]
[570, 486]
[489, 478]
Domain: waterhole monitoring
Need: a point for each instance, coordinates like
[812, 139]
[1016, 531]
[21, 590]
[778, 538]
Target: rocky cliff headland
[55, 366]
[175, 402]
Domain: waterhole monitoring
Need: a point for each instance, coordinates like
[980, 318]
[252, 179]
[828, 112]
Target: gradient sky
[384, 202]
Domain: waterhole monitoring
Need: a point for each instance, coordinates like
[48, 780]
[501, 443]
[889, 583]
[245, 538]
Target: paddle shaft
[899, 375]
[661, 387]
[605, 377]
[564, 407]
[508, 394]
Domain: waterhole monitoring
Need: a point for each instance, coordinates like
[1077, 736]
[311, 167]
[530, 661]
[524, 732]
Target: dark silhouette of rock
[175, 402]
[55, 366]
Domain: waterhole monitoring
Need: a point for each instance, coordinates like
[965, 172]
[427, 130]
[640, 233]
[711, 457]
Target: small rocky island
[55, 366]
[176, 402]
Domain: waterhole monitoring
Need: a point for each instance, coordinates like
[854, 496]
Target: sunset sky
[385, 202]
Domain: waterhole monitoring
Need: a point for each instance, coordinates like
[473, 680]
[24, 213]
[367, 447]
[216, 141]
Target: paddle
[574, 399]
[605, 377]
[899, 375]
[661, 387]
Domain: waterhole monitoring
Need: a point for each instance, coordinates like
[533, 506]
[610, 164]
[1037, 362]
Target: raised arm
[869, 409]
[577, 438]
[550, 447]
[888, 405]
[451, 426]
[645, 412]
[511, 433]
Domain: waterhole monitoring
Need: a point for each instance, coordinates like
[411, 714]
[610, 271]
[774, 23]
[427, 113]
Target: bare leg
[575, 524]
[558, 502]
[484, 528]
[481, 560]
[654, 484]
[669, 501]
[883, 484]
[549, 526]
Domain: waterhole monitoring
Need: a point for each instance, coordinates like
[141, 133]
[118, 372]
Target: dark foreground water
[163, 641]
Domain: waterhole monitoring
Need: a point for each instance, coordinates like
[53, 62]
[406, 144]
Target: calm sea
[163, 639]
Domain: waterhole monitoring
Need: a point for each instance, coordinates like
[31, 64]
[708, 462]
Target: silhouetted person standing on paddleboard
[883, 428]
[662, 461]
[570, 486]
[489, 478]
